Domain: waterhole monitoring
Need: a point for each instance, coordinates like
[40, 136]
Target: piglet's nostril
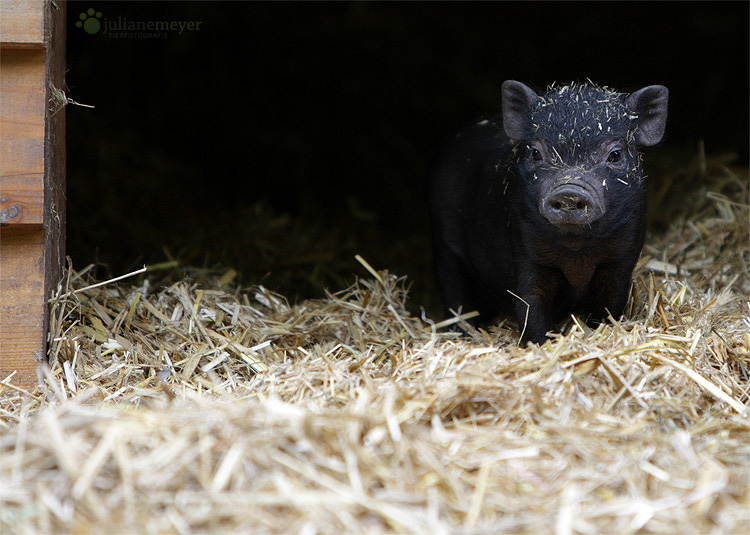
[567, 202]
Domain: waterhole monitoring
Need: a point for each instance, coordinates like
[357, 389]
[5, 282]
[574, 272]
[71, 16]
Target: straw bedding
[198, 407]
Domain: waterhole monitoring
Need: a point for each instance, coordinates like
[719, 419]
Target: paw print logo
[90, 21]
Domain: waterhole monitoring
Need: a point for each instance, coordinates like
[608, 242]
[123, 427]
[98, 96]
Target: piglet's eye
[615, 156]
[536, 155]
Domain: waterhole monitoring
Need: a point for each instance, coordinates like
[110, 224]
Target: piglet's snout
[571, 203]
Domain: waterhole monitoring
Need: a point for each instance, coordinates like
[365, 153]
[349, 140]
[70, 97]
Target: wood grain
[22, 110]
[22, 23]
[22, 303]
[54, 150]
[22, 199]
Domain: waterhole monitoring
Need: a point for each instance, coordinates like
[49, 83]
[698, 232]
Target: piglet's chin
[571, 229]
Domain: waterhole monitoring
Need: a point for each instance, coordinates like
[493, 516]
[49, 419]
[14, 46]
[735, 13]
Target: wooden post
[32, 178]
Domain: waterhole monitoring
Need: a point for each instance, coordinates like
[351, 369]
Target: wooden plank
[20, 200]
[22, 23]
[54, 151]
[22, 135]
[22, 307]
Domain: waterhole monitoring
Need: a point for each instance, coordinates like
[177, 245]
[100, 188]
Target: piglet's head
[579, 161]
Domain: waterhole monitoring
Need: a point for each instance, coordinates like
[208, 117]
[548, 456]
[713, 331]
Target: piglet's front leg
[534, 308]
[609, 292]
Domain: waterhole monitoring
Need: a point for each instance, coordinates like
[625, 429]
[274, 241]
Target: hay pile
[202, 408]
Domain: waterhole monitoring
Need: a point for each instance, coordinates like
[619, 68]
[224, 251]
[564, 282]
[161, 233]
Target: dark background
[282, 138]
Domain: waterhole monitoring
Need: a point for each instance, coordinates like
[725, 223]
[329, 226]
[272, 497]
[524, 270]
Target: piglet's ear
[650, 103]
[518, 99]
